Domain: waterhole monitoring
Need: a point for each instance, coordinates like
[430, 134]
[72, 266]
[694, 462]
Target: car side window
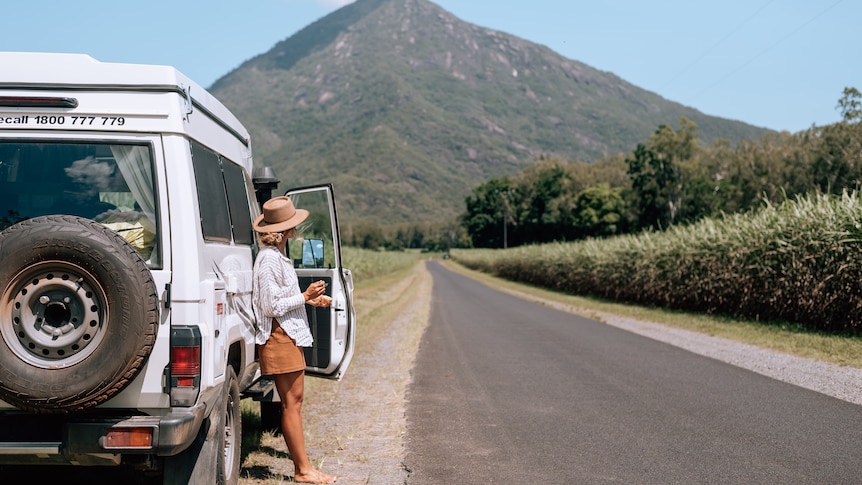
[222, 197]
[237, 199]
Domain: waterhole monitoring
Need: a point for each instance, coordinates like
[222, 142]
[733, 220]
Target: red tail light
[185, 362]
[184, 371]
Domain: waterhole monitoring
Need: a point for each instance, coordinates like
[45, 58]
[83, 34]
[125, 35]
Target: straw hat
[279, 215]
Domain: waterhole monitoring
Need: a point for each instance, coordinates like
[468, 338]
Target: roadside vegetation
[669, 180]
[368, 265]
[797, 262]
[766, 231]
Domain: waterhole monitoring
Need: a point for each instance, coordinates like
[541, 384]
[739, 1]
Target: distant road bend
[509, 391]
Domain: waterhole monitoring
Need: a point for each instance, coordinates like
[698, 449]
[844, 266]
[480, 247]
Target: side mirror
[312, 253]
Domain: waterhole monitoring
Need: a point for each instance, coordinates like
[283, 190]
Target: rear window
[109, 183]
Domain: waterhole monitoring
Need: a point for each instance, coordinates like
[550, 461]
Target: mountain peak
[406, 108]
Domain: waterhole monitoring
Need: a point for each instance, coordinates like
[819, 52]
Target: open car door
[316, 255]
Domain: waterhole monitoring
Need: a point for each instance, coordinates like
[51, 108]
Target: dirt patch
[355, 428]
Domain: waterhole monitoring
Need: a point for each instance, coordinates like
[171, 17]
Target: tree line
[670, 179]
[427, 236]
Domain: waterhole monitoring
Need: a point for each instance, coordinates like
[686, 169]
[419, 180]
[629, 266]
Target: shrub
[797, 262]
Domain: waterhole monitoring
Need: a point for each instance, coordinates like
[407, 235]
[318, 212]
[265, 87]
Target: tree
[652, 182]
[365, 235]
[657, 176]
[837, 155]
[850, 105]
[486, 213]
[534, 203]
[599, 211]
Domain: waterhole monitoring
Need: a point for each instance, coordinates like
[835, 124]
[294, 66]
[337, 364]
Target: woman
[283, 325]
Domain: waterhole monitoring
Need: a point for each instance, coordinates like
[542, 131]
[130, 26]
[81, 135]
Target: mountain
[405, 109]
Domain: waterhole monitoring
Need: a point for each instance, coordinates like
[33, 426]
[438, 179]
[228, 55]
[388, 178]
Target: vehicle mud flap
[220, 435]
[196, 463]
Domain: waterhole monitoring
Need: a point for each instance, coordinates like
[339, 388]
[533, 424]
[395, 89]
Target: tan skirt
[280, 355]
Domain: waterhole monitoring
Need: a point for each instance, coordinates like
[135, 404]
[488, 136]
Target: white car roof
[40, 70]
[51, 68]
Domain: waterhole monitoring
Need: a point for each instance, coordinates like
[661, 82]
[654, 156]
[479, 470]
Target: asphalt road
[508, 391]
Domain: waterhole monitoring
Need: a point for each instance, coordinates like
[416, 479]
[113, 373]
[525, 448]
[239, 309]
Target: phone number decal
[61, 120]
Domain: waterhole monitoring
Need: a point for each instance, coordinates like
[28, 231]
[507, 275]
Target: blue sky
[779, 64]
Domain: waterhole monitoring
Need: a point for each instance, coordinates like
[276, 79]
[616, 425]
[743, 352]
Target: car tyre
[78, 314]
[229, 460]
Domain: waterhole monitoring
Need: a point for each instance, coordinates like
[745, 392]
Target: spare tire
[78, 314]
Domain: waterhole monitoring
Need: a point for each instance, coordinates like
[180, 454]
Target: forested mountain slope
[406, 108]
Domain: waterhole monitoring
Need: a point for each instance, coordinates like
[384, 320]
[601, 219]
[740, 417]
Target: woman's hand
[322, 301]
[314, 290]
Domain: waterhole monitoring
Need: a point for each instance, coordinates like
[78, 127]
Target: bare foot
[314, 476]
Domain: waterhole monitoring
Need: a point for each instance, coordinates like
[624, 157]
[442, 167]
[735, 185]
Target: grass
[367, 265]
[791, 339]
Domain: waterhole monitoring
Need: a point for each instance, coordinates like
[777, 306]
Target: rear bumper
[82, 439]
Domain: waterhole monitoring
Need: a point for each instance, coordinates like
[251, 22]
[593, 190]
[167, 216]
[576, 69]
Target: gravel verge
[840, 382]
[366, 413]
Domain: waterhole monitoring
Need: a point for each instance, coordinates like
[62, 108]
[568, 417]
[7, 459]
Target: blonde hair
[273, 238]
[270, 238]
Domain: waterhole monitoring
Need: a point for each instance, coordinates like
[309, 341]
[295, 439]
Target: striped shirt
[276, 294]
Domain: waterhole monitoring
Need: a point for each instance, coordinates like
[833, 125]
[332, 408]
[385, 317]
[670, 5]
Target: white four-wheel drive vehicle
[126, 255]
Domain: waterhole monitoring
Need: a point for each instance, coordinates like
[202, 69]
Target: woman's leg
[290, 389]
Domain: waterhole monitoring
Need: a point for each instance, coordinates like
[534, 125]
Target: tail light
[184, 375]
[126, 438]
